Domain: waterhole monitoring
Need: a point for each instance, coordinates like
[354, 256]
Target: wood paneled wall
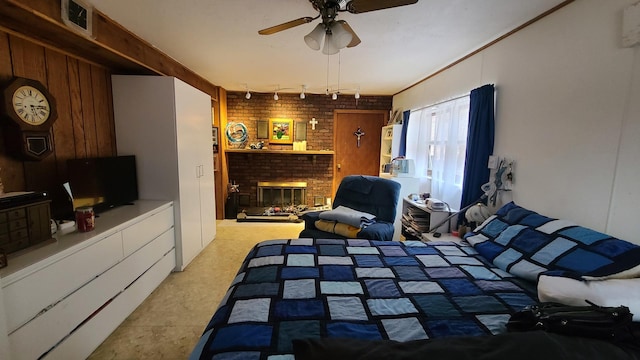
[84, 128]
[77, 71]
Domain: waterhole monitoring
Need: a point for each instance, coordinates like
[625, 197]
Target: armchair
[369, 194]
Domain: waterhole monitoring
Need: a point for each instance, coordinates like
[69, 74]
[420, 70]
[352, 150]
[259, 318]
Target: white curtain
[436, 140]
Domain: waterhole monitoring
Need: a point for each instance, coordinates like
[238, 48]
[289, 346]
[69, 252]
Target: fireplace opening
[281, 194]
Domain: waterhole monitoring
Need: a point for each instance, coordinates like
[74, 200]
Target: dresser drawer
[16, 214]
[19, 234]
[137, 235]
[15, 244]
[17, 224]
[26, 298]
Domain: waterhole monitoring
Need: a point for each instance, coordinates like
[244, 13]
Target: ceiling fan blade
[285, 26]
[355, 40]
[361, 6]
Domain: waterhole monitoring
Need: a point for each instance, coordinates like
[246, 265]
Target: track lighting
[275, 96]
[302, 94]
[334, 96]
[357, 95]
[247, 95]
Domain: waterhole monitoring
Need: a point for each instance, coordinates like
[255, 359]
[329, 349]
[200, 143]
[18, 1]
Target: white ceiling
[218, 39]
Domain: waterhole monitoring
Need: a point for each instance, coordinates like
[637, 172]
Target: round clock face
[31, 105]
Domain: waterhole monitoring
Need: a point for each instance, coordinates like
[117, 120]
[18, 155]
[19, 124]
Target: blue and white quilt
[363, 289]
[528, 244]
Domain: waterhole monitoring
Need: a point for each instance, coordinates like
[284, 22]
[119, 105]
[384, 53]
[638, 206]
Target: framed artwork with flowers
[280, 131]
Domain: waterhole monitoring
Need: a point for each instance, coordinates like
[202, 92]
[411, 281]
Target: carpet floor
[169, 322]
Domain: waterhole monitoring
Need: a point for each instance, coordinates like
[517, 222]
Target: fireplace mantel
[286, 152]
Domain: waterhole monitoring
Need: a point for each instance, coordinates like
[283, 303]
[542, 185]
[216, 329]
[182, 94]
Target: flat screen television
[103, 182]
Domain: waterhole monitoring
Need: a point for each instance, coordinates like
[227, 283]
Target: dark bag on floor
[593, 321]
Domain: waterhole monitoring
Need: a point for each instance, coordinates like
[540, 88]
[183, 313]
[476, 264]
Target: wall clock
[30, 111]
[78, 15]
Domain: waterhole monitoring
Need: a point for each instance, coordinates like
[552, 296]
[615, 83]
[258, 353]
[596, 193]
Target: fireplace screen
[281, 193]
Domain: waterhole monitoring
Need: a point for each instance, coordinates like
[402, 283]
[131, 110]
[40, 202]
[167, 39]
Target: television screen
[103, 182]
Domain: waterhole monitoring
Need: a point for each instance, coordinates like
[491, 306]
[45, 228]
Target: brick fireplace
[278, 193]
[247, 170]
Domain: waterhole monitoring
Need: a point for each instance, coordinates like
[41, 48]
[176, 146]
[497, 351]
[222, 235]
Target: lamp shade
[341, 37]
[330, 47]
[314, 38]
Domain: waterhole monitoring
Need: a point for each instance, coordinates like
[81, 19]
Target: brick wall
[317, 170]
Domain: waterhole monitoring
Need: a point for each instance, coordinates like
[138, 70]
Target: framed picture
[301, 131]
[281, 131]
[214, 135]
[263, 129]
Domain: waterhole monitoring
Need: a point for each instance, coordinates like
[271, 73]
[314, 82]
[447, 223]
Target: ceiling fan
[338, 32]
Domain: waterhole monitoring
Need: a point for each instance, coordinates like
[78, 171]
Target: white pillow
[612, 292]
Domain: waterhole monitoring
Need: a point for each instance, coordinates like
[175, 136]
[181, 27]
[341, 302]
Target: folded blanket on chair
[345, 215]
[338, 228]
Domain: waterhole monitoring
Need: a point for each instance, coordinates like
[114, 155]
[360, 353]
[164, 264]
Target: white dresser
[65, 296]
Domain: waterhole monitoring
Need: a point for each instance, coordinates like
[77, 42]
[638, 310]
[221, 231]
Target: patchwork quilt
[528, 244]
[359, 289]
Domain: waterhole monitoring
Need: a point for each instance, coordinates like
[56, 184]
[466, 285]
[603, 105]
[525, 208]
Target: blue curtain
[480, 138]
[403, 133]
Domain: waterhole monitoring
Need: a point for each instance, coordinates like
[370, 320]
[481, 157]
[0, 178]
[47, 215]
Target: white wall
[568, 113]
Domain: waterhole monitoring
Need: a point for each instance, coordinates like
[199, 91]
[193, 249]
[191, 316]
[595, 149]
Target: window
[437, 141]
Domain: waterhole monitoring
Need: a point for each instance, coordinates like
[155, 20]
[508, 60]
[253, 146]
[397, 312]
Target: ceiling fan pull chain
[327, 90]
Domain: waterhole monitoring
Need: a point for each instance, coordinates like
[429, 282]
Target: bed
[319, 298]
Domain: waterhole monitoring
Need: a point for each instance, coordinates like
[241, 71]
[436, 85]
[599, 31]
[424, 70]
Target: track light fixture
[248, 94]
[302, 94]
[357, 95]
[334, 96]
[275, 96]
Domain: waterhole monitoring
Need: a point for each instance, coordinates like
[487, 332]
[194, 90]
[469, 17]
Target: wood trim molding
[112, 46]
[543, 15]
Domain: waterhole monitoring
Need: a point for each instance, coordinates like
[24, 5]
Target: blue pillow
[528, 244]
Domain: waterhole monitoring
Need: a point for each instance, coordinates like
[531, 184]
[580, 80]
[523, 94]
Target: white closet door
[192, 107]
[207, 186]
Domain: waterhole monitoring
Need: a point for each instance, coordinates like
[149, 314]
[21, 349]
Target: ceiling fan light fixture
[314, 38]
[330, 47]
[341, 37]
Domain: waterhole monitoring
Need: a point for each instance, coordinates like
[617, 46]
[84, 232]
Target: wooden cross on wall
[359, 133]
[313, 123]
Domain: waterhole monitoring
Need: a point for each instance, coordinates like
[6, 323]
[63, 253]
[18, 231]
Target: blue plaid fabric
[528, 244]
[303, 288]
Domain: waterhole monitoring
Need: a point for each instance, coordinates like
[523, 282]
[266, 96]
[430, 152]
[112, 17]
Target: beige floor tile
[169, 322]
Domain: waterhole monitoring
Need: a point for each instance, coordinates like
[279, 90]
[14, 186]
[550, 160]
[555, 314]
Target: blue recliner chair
[369, 194]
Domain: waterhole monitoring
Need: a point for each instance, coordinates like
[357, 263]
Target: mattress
[358, 289]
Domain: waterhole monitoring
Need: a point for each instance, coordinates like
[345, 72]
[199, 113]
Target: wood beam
[112, 46]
